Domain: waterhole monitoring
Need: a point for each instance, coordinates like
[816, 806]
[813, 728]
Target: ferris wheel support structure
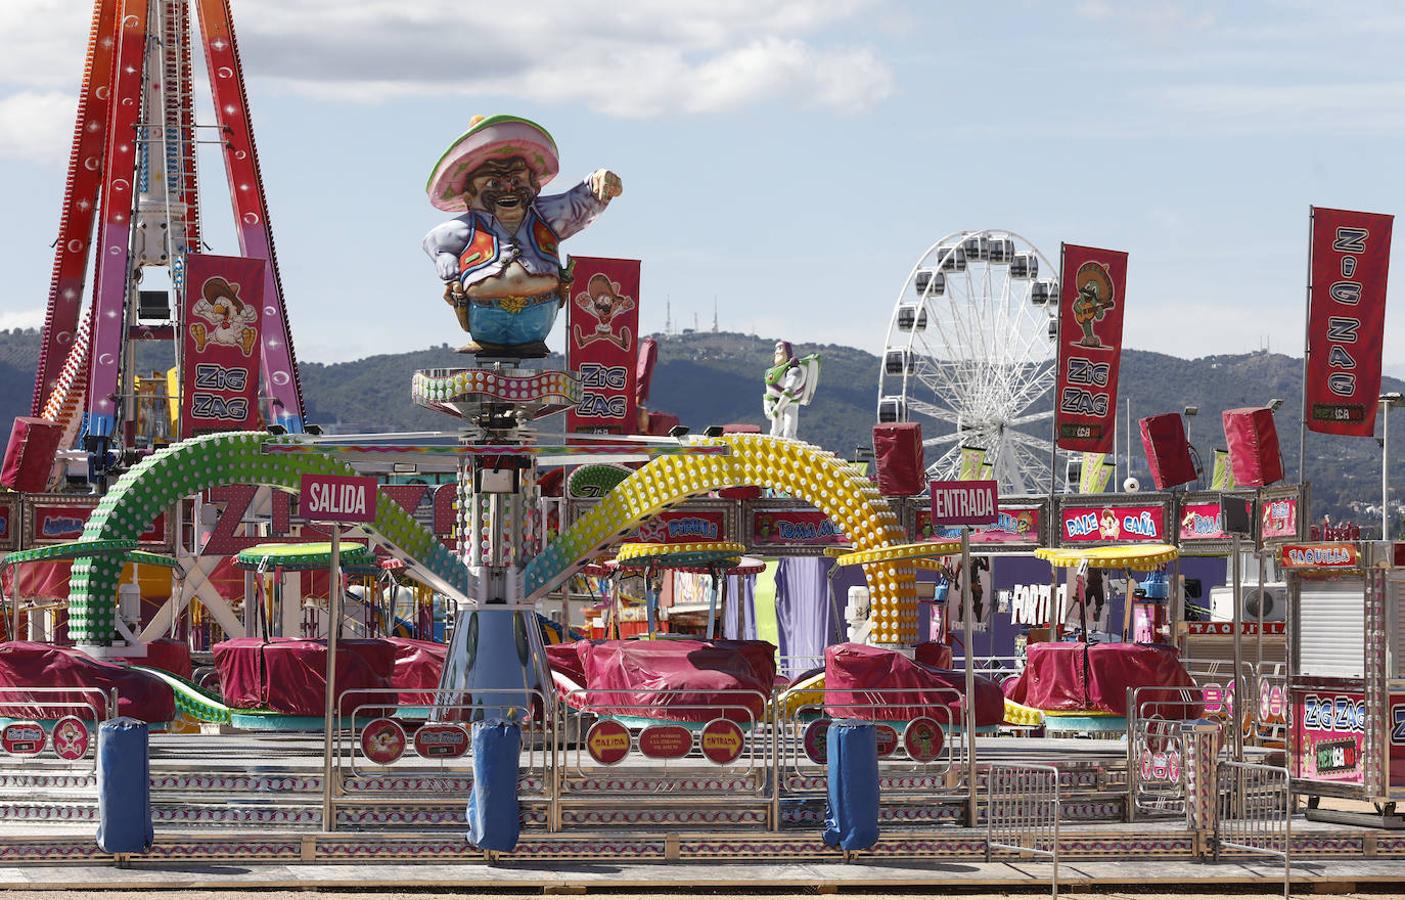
[969, 353]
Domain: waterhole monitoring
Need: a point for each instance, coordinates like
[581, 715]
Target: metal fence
[1156, 755]
[55, 744]
[1022, 812]
[711, 754]
[927, 759]
[1253, 814]
[414, 755]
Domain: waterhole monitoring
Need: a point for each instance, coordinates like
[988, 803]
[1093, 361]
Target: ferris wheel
[970, 355]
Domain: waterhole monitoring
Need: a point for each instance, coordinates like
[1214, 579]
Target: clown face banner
[602, 344]
[1092, 293]
[220, 337]
[1346, 320]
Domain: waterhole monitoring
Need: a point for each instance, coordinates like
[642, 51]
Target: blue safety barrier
[124, 787]
[493, 816]
[852, 820]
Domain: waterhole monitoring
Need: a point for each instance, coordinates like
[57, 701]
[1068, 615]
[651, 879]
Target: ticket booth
[1347, 683]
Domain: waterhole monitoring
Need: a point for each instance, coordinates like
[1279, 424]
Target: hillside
[716, 378]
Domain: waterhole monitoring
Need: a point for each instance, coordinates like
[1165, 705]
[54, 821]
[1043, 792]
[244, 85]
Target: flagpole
[1307, 349]
[1058, 358]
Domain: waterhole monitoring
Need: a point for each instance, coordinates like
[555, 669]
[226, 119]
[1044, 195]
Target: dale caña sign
[338, 498]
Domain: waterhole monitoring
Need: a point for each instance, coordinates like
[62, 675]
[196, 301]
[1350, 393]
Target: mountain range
[715, 378]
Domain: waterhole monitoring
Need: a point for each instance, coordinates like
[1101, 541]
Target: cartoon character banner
[1346, 320]
[1123, 524]
[1090, 346]
[1013, 525]
[602, 344]
[220, 336]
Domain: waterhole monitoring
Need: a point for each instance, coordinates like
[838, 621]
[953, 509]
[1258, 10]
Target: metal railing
[1155, 751]
[434, 756]
[939, 766]
[1022, 812]
[26, 704]
[1253, 814]
[705, 768]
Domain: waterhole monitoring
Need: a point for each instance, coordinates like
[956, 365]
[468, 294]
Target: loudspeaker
[901, 464]
[1252, 439]
[29, 457]
[1167, 450]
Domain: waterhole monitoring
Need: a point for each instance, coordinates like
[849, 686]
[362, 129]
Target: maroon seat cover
[657, 679]
[29, 664]
[418, 666]
[1077, 677]
[168, 655]
[934, 654]
[289, 675]
[564, 658]
[863, 682]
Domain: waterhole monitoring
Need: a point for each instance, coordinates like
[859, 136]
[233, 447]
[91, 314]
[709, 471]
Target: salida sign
[342, 499]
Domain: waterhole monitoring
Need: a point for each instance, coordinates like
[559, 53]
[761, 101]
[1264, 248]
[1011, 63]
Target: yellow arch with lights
[839, 489]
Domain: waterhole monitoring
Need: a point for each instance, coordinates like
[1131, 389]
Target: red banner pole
[1307, 347]
[1058, 362]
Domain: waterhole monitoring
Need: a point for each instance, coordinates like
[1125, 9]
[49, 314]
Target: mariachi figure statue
[790, 384]
[499, 260]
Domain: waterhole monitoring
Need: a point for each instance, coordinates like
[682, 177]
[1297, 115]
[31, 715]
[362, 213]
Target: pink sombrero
[487, 138]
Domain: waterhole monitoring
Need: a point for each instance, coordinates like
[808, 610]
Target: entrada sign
[963, 502]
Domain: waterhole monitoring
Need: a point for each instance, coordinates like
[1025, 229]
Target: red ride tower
[131, 203]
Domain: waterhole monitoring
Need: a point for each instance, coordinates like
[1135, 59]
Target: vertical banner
[1091, 296]
[1345, 320]
[1095, 474]
[972, 461]
[1223, 477]
[602, 344]
[220, 341]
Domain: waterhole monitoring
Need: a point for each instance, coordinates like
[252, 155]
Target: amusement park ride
[532, 734]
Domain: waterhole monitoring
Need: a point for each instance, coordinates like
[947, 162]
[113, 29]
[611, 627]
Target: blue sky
[790, 158]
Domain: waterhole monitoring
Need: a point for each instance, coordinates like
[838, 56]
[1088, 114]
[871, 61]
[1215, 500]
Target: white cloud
[37, 127]
[639, 59]
[633, 60]
[21, 318]
[1366, 108]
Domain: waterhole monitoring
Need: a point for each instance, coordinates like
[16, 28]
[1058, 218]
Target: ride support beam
[246, 191]
[80, 204]
[114, 278]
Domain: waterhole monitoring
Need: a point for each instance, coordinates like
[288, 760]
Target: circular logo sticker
[607, 742]
[923, 739]
[722, 741]
[665, 741]
[1265, 697]
[1146, 765]
[23, 738]
[887, 740]
[71, 738]
[441, 740]
[383, 741]
[817, 741]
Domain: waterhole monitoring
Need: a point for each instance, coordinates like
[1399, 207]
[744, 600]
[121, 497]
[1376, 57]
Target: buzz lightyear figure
[790, 384]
